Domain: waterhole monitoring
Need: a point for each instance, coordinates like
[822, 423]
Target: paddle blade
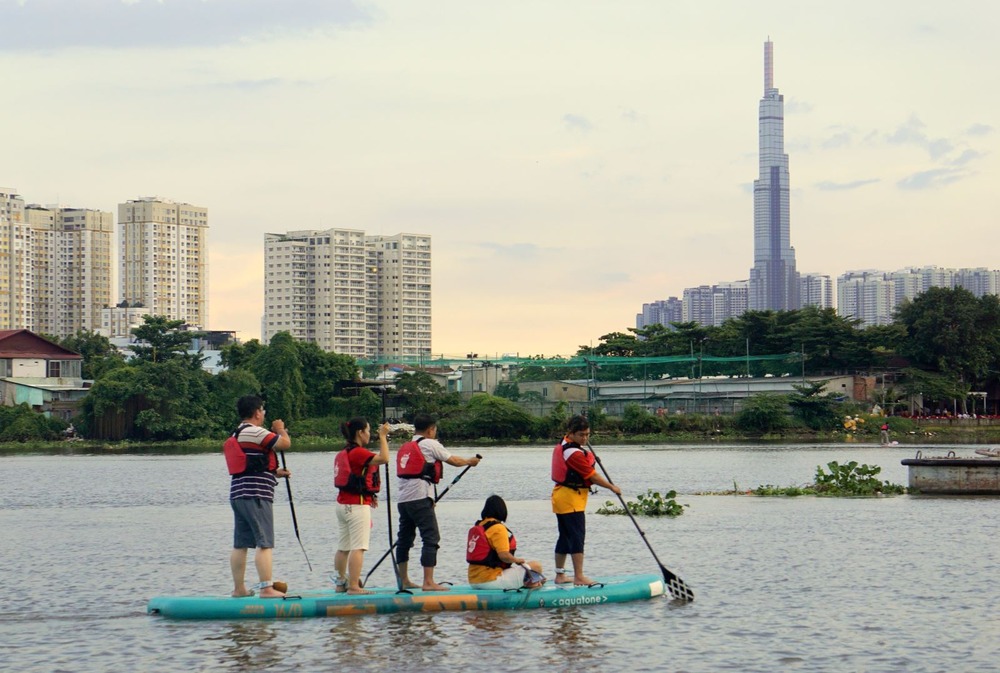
[678, 590]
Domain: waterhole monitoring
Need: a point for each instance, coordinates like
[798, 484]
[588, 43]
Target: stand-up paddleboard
[328, 603]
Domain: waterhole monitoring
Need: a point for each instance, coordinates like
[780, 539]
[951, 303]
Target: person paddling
[356, 476]
[573, 472]
[255, 472]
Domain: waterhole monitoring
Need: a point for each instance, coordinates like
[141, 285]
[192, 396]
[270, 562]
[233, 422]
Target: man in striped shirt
[251, 495]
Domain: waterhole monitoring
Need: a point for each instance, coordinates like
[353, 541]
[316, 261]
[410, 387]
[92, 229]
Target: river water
[906, 583]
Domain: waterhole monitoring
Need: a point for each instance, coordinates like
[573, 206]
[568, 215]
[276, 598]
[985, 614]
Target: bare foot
[434, 586]
[582, 581]
[561, 578]
[355, 592]
[271, 592]
[241, 595]
[407, 584]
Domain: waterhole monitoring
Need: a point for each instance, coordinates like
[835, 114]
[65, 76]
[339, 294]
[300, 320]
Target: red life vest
[411, 463]
[243, 458]
[366, 482]
[478, 550]
[562, 473]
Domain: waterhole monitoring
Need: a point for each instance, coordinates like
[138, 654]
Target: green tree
[493, 417]
[323, 375]
[508, 390]
[98, 354]
[813, 407]
[240, 355]
[762, 414]
[417, 392]
[159, 338]
[279, 371]
[223, 390]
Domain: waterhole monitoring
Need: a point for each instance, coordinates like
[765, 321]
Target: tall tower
[774, 282]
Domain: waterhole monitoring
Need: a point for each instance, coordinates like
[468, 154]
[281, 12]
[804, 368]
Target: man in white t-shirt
[415, 503]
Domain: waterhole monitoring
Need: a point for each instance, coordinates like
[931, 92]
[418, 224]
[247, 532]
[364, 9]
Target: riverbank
[926, 433]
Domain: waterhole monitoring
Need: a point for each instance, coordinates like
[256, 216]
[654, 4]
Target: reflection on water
[250, 646]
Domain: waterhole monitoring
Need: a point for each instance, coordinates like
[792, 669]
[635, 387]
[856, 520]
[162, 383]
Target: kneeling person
[490, 553]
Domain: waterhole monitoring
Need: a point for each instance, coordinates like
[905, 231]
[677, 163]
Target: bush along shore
[848, 480]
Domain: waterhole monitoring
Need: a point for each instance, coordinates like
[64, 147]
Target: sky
[571, 160]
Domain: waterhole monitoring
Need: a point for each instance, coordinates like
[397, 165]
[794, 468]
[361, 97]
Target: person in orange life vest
[415, 502]
[251, 496]
[490, 552]
[573, 473]
[355, 473]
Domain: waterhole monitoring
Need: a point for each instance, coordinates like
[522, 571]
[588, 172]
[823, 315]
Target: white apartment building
[117, 322]
[348, 292]
[164, 258]
[661, 312]
[816, 289]
[867, 295]
[55, 266]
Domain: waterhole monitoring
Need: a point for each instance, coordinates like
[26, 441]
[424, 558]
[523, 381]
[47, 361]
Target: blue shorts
[572, 532]
[254, 526]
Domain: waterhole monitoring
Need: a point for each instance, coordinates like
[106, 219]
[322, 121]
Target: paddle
[291, 504]
[392, 544]
[675, 584]
[388, 513]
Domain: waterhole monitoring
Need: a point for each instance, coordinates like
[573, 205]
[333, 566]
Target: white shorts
[355, 524]
[510, 578]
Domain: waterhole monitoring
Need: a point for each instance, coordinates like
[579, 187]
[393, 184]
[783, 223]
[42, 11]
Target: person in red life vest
[251, 495]
[355, 474]
[490, 552]
[573, 473]
[418, 467]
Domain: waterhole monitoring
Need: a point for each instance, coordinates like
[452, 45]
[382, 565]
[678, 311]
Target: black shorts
[572, 532]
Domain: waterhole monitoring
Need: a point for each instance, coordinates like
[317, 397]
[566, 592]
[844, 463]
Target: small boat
[328, 603]
[954, 475]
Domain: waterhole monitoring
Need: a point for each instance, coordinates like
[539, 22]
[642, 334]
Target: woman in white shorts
[356, 476]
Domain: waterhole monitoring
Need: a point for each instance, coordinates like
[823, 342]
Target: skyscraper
[774, 282]
[164, 258]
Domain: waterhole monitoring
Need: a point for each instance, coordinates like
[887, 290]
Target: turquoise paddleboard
[328, 603]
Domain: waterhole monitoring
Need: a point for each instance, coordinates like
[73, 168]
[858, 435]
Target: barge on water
[953, 475]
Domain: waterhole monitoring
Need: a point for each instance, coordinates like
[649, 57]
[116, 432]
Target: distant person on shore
[356, 476]
[490, 553]
[884, 434]
[573, 473]
[251, 493]
[419, 467]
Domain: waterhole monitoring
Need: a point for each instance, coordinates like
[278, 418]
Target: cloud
[979, 130]
[829, 186]
[931, 179]
[840, 139]
[794, 107]
[577, 123]
[518, 251]
[965, 157]
[912, 133]
[36, 25]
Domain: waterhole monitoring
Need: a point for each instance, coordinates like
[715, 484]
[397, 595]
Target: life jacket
[562, 474]
[367, 482]
[411, 463]
[478, 550]
[243, 458]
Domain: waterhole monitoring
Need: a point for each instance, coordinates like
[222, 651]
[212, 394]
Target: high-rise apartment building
[164, 258]
[774, 283]
[72, 253]
[816, 289]
[661, 312]
[364, 296]
[729, 300]
[55, 266]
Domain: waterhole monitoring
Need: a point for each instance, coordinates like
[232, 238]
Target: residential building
[164, 258]
[774, 283]
[351, 293]
[661, 312]
[117, 322]
[729, 300]
[868, 295]
[55, 266]
[698, 305]
[816, 289]
[41, 374]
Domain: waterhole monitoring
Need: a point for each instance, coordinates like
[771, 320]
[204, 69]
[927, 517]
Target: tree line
[943, 344]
